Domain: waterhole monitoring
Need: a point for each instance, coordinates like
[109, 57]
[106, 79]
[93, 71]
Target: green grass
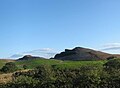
[58, 63]
[37, 62]
[31, 64]
[77, 64]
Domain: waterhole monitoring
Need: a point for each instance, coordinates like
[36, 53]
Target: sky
[46, 27]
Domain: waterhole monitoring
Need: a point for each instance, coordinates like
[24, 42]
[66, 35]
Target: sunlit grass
[58, 63]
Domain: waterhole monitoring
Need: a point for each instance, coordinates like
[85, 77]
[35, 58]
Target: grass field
[31, 64]
[76, 64]
[58, 63]
[34, 63]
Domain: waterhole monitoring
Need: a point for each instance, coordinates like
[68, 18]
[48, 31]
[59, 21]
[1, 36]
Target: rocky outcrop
[80, 53]
[29, 57]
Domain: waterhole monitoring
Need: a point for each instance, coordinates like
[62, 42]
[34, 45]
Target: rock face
[29, 57]
[80, 53]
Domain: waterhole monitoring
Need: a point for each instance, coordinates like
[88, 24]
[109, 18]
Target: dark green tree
[9, 67]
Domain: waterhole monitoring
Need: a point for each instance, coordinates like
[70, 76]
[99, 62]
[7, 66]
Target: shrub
[25, 67]
[9, 67]
[113, 64]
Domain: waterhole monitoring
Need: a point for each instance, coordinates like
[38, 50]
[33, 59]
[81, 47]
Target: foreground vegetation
[63, 74]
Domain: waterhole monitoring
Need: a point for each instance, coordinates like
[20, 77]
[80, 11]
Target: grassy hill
[36, 62]
[31, 64]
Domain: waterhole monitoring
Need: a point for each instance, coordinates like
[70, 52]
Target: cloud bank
[111, 46]
[44, 52]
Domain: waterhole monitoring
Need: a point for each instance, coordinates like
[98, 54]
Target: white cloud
[16, 56]
[44, 52]
[40, 50]
[111, 46]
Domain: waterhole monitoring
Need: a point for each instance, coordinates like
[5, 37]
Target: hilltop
[80, 53]
[30, 57]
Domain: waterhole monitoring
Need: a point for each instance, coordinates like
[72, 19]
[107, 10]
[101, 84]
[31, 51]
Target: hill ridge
[80, 53]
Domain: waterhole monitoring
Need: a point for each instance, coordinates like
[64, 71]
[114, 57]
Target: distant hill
[29, 57]
[80, 53]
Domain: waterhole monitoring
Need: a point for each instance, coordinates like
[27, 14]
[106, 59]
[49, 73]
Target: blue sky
[53, 25]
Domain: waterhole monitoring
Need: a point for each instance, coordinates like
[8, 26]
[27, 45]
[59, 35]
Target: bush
[23, 81]
[25, 67]
[112, 65]
[9, 67]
